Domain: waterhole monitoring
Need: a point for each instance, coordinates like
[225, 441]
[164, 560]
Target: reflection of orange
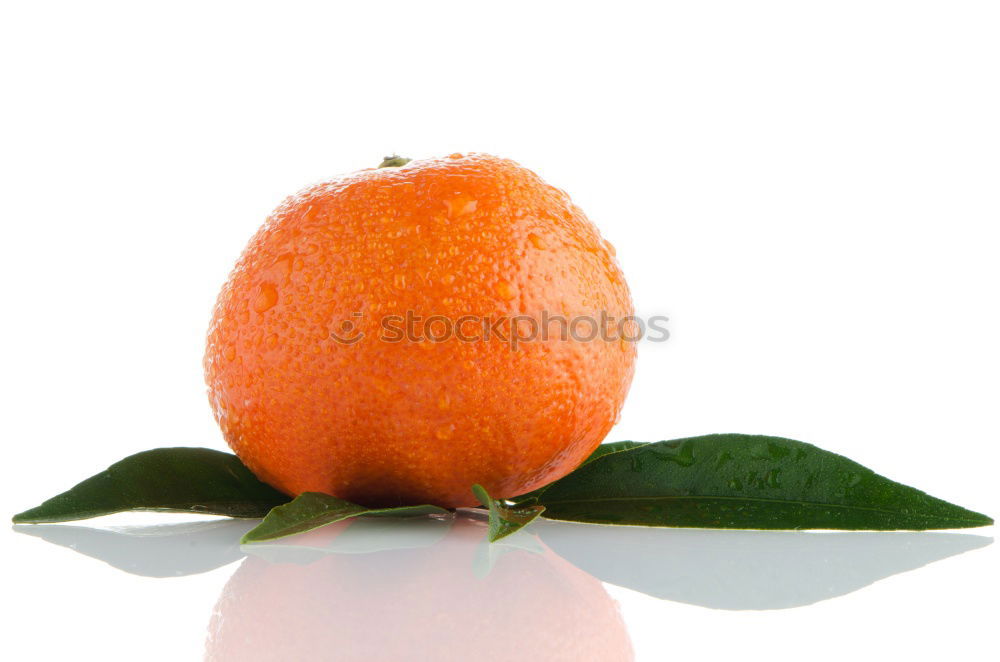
[388, 423]
[422, 604]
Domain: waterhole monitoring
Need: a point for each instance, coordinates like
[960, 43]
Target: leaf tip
[252, 536]
[981, 520]
[29, 516]
[480, 493]
[963, 518]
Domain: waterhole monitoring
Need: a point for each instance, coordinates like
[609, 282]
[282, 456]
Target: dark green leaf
[600, 451]
[195, 480]
[504, 519]
[613, 447]
[311, 510]
[735, 481]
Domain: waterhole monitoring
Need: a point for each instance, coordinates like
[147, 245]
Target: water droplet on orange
[281, 268]
[460, 205]
[536, 241]
[267, 296]
[505, 290]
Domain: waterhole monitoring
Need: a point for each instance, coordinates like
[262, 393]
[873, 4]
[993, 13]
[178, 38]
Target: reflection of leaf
[736, 481]
[380, 534]
[488, 553]
[194, 480]
[504, 519]
[358, 536]
[166, 550]
[311, 510]
[746, 569]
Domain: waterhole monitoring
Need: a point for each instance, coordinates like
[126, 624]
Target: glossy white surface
[807, 190]
[433, 589]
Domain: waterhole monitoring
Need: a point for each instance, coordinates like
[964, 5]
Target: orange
[315, 390]
[438, 602]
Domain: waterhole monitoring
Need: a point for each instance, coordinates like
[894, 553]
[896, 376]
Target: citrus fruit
[395, 335]
[437, 602]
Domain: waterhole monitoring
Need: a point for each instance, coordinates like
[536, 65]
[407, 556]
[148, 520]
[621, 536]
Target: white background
[807, 189]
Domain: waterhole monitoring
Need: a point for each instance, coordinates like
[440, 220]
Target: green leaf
[613, 447]
[600, 451]
[195, 480]
[504, 519]
[736, 481]
[311, 510]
